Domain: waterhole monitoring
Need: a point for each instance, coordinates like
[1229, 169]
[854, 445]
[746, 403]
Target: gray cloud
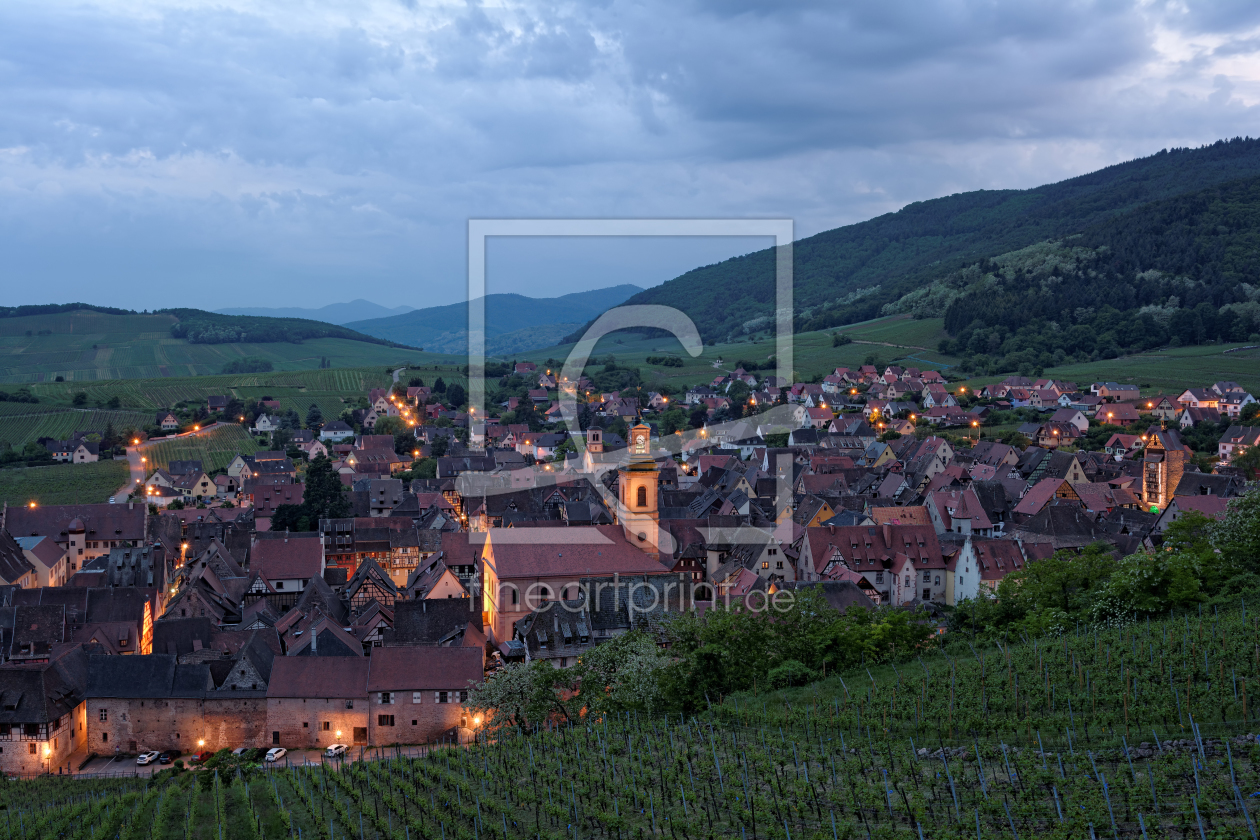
[183, 152]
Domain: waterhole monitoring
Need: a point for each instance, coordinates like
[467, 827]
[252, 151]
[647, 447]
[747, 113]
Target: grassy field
[1169, 371]
[36, 422]
[88, 346]
[294, 389]
[63, 484]
[894, 339]
[901, 340]
[214, 448]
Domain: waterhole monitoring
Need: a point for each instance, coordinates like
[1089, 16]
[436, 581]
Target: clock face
[640, 442]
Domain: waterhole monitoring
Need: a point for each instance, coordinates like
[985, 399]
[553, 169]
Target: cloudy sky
[237, 153]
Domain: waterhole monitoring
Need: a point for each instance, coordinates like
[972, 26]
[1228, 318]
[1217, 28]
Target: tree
[325, 496]
[519, 696]
[388, 426]
[280, 438]
[1248, 461]
[455, 395]
[415, 382]
[1238, 537]
[439, 387]
[620, 675]
[438, 448]
[80, 398]
[314, 416]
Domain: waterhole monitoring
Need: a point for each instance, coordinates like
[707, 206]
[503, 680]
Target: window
[938, 580]
[32, 749]
[927, 577]
[641, 496]
[349, 704]
[778, 564]
[104, 736]
[441, 697]
[275, 737]
[879, 577]
[416, 695]
[305, 725]
[413, 723]
[326, 726]
[104, 714]
[384, 720]
[765, 564]
[279, 585]
[387, 698]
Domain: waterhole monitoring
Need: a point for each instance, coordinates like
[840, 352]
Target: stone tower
[637, 485]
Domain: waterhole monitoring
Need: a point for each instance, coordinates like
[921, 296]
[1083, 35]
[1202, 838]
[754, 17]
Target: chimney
[286, 534]
[314, 641]
[887, 534]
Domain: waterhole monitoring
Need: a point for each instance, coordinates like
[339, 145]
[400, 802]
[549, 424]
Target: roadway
[138, 466]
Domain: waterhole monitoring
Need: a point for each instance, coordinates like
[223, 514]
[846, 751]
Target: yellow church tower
[637, 484]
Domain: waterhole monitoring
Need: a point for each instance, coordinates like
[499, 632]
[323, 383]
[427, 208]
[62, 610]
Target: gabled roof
[424, 667]
[292, 557]
[319, 677]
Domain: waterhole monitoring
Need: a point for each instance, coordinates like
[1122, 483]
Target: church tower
[637, 485]
[595, 440]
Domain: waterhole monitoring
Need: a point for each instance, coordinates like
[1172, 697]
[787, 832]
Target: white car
[336, 750]
[147, 757]
[276, 753]
[111, 500]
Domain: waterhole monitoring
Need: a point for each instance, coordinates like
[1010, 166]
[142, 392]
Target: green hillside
[86, 345]
[62, 484]
[850, 274]
[294, 389]
[1123, 733]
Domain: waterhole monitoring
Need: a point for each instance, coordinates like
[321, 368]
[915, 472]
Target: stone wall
[311, 723]
[189, 725]
[423, 722]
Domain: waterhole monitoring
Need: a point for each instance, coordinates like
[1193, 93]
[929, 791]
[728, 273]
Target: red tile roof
[319, 677]
[289, 558]
[103, 522]
[600, 550]
[423, 667]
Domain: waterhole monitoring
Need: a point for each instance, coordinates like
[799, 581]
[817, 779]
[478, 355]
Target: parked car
[200, 758]
[335, 750]
[111, 500]
[276, 753]
[165, 758]
[147, 757]
[240, 751]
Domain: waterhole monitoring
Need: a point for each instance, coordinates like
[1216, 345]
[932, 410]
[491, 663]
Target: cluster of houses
[134, 626]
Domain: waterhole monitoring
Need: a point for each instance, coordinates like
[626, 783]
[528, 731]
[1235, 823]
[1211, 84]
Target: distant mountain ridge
[853, 273]
[334, 313]
[514, 323]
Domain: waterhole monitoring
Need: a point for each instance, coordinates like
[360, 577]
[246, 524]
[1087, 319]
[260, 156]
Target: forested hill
[852, 273]
[201, 327]
[1183, 270]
